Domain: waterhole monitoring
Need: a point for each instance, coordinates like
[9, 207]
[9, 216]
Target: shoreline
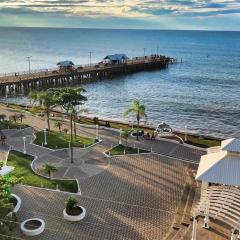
[199, 140]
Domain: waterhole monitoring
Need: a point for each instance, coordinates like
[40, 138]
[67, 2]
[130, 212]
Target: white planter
[72, 218]
[32, 232]
[19, 202]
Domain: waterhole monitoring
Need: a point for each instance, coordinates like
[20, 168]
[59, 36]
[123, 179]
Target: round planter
[19, 202]
[74, 218]
[32, 227]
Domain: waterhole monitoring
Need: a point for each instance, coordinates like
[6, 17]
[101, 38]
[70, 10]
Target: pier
[22, 83]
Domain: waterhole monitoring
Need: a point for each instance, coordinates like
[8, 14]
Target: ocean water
[202, 94]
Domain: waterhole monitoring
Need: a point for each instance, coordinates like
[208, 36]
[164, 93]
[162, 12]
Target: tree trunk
[71, 137]
[75, 128]
[138, 121]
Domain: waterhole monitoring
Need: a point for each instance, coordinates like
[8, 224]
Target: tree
[139, 111]
[49, 168]
[125, 135]
[2, 117]
[33, 97]
[75, 118]
[7, 222]
[46, 101]
[13, 118]
[68, 98]
[20, 117]
[58, 124]
[65, 130]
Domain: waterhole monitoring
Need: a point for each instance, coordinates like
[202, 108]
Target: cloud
[123, 8]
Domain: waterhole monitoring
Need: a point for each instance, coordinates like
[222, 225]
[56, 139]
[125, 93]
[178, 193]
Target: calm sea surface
[202, 93]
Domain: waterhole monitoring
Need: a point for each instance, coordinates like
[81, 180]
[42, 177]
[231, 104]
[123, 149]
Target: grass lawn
[11, 125]
[201, 142]
[119, 150]
[57, 140]
[22, 162]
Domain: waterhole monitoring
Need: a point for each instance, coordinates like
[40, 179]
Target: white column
[194, 230]
[97, 132]
[24, 145]
[204, 187]
[234, 235]
[45, 136]
[120, 136]
[206, 222]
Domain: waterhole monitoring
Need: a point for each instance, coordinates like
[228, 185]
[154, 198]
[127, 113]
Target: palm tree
[125, 135]
[33, 97]
[49, 169]
[75, 118]
[2, 117]
[20, 117]
[46, 101]
[13, 118]
[138, 110]
[58, 124]
[68, 99]
[65, 130]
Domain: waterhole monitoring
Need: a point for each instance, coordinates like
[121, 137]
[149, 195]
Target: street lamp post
[45, 137]
[120, 136]
[97, 132]
[194, 230]
[185, 137]
[24, 145]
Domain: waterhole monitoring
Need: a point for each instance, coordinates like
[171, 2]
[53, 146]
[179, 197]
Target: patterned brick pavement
[134, 199]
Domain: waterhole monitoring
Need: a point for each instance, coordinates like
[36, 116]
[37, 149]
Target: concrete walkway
[89, 161]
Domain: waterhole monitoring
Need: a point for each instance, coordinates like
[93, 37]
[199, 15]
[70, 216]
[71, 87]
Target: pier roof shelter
[65, 65]
[117, 58]
[219, 172]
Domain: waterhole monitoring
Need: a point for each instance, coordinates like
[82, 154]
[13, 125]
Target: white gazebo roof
[231, 145]
[222, 167]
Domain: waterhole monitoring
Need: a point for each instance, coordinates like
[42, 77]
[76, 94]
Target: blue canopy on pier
[117, 57]
[66, 63]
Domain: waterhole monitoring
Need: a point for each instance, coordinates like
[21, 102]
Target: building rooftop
[222, 166]
[116, 57]
[65, 63]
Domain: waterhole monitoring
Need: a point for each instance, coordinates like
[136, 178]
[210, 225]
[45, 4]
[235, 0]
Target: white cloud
[123, 8]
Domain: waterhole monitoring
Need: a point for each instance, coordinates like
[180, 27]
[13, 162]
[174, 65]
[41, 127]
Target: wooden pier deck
[14, 84]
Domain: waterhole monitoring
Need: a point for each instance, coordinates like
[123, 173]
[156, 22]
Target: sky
[126, 14]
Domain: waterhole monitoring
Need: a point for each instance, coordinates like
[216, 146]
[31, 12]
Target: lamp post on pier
[29, 63]
[90, 58]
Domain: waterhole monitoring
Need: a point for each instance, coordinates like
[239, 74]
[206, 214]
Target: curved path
[89, 161]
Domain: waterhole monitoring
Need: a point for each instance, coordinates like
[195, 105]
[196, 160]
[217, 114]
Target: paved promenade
[126, 197]
[135, 198]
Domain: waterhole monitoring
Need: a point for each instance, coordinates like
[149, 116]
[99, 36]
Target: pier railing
[136, 60]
